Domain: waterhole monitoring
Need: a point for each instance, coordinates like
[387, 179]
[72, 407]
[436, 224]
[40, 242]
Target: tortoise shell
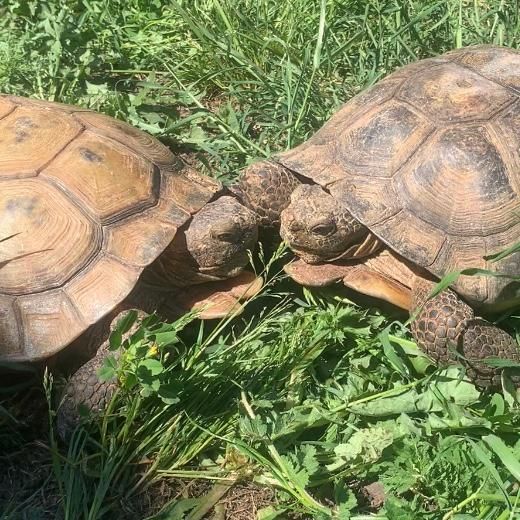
[429, 160]
[88, 202]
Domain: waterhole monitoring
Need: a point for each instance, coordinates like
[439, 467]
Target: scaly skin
[440, 322]
[84, 388]
[214, 246]
[483, 340]
[265, 187]
[317, 228]
[446, 329]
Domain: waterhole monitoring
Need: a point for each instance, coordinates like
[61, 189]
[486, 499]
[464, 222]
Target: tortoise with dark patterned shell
[416, 177]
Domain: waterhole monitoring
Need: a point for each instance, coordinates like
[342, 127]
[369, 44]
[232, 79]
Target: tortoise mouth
[316, 255]
[226, 267]
[222, 273]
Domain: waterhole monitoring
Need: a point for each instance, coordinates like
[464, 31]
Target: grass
[310, 394]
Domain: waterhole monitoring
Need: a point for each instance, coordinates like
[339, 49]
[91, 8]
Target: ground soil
[28, 488]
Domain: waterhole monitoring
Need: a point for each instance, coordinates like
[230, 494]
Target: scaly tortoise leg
[447, 330]
[265, 187]
[84, 388]
[212, 300]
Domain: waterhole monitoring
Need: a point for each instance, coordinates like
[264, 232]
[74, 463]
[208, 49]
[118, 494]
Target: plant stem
[306, 499]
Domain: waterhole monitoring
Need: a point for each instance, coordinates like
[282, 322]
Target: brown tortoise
[87, 203]
[416, 177]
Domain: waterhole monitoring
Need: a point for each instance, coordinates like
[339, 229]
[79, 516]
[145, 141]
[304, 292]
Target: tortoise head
[220, 237]
[214, 245]
[317, 228]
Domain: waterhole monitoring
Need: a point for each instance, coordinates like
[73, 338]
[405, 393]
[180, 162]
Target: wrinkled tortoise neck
[361, 245]
[174, 268]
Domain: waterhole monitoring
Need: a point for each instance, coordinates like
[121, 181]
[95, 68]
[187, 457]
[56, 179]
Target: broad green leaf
[115, 340]
[504, 453]
[122, 327]
[166, 338]
[511, 391]
[364, 446]
[169, 394]
[108, 369]
[154, 366]
[481, 453]
[444, 387]
[126, 322]
[435, 422]
[497, 404]
[151, 385]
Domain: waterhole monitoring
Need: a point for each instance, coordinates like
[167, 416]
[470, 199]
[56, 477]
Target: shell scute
[92, 169]
[498, 64]
[10, 344]
[47, 319]
[457, 181]
[51, 237]
[31, 137]
[316, 157]
[449, 93]
[137, 140]
[6, 106]
[89, 287]
[380, 142]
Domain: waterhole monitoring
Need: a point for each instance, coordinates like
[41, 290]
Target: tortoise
[97, 217]
[414, 178]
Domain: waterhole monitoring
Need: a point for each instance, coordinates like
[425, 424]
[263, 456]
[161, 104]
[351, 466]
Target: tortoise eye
[227, 233]
[226, 236]
[324, 229]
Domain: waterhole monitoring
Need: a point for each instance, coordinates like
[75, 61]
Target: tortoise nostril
[295, 226]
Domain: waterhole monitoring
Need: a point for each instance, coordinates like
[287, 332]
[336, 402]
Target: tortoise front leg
[84, 388]
[265, 187]
[447, 330]
[210, 301]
